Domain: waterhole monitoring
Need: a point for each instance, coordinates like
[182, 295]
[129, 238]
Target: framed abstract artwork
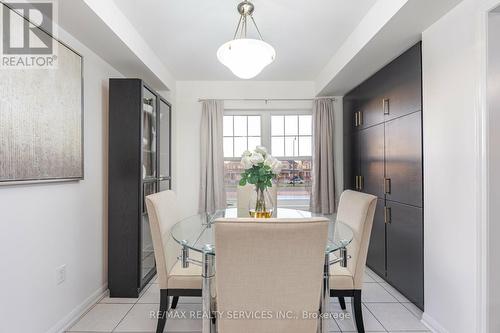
[41, 120]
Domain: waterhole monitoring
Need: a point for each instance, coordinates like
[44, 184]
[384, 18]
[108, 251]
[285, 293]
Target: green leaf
[243, 181]
[252, 179]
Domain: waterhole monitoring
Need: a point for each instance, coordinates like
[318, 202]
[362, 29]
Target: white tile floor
[384, 310]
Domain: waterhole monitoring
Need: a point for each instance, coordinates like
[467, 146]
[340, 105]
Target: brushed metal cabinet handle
[385, 106]
[387, 215]
[387, 185]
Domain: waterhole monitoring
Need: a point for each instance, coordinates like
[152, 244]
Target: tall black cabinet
[383, 157]
[138, 165]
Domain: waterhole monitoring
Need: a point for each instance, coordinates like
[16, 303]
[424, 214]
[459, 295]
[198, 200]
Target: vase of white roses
[260, 170]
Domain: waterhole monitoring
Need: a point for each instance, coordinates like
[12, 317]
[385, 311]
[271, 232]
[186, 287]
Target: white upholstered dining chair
[355, 209]
[174, 280]
[269, 265]
[243, 194]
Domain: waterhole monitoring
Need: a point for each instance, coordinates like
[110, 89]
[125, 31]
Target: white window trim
[234, 136]
[265, 126]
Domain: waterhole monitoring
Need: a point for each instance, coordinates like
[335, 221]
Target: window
[288, 136]
[291, 135]
[240, 133]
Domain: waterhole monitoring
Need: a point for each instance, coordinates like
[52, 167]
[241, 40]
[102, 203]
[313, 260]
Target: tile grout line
[399, 302]
[133, 304]
[403, 303]
[113, 330]
[363, 303]
[83, 315]
[375, 318]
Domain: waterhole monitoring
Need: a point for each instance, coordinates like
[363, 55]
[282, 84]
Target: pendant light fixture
[246, 57]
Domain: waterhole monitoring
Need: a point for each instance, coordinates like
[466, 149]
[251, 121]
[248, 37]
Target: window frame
[242, 114]
[265, 127]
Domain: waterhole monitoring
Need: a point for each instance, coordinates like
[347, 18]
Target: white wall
[187, 117]
[493, 168]
[451, 63]
[45, 226]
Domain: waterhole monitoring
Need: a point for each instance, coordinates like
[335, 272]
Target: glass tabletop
[196, 231]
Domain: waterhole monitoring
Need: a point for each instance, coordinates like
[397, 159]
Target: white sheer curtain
[212, 192]
[323, 184]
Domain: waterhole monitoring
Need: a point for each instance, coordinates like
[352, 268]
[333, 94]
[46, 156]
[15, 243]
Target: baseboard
[432, 324]
[71, 318]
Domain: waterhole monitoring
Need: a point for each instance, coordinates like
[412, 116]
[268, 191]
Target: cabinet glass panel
[164, 185]
[164, 140]
[148, 135]
[147, 251]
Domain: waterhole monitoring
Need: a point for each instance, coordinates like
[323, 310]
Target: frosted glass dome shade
[246, 57]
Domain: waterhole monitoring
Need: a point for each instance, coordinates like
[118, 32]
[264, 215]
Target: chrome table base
[208, 291]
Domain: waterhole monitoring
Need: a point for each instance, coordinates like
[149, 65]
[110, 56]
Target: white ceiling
[185, 34]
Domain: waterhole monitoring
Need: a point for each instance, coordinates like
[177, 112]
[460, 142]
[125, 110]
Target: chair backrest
[357, 209]
[243, 194]
[163, 214]
[269, 265]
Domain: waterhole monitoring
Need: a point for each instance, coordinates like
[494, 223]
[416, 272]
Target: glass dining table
[195, 233]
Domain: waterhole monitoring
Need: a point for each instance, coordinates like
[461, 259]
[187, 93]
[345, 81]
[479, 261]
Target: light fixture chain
[238, 27]
[256, 27]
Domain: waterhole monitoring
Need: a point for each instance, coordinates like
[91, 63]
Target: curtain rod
[268, 99]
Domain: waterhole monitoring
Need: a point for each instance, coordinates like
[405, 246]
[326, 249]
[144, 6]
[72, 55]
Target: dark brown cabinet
[376, 255]
[404, 250]
[138, 165]
[383, 157]
[370, 108]
[403, 159]
[371, 160]
[403, 82]
[352, 156]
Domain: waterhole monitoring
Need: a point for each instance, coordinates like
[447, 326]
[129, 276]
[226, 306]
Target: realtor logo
[27, 35]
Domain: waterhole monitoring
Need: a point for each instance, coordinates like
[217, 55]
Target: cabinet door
[376, 251]
[147, 258]
[164, 185]
[403, 78]
[371, 160]
[350, 153]
[149, 127]
[369, 105]
[403, 154]
[405, 269]
[349, 107]
[164, 141]
[351, 161]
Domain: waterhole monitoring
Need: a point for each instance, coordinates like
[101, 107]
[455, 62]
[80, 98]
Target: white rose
[246, 153]
[261, 150]
[269, 160]
[247, 163]
[256, 158]
[276, 167]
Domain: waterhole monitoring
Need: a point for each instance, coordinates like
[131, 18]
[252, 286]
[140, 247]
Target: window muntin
[241, 132]
[291, 135]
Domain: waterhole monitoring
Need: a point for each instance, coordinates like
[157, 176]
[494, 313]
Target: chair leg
[357, 311]
[175, 299]
[342, 302]
[162, 315]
